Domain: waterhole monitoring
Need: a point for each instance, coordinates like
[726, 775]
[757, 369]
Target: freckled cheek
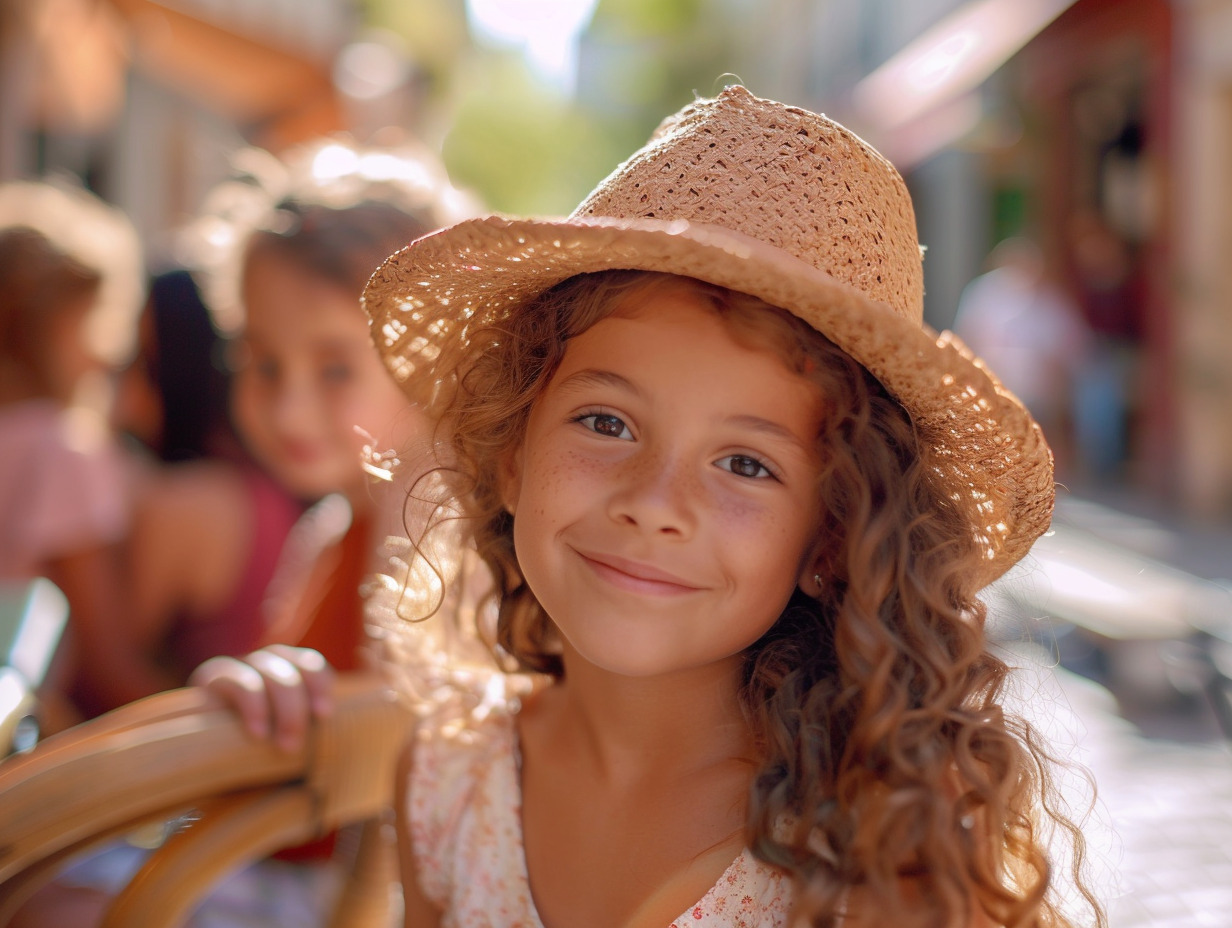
[556, 481]
[759, 536]
[736, 514]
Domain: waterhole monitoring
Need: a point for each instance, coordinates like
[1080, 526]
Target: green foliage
[650, 57]
[523, 147]
[641, 18]
[434, 31]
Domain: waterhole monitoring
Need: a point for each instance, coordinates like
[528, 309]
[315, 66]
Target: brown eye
[266, 369]
[744, 466]
[605, 424]
[336, 373]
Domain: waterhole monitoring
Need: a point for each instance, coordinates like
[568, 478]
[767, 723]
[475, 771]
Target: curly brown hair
[891, 780]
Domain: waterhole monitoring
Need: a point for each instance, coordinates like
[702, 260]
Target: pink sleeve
[76, 498]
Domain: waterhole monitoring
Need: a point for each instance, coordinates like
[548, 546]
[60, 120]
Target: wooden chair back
[177, 757]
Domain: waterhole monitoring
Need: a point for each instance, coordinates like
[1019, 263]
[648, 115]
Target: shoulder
[37, 420]
[448, 762]
[206, 498]
[459, 801]
[750, 894]
[56, 442]
[211, 479]
[189, 515]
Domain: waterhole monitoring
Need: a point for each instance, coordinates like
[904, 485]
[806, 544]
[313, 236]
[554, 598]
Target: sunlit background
[1099, 129]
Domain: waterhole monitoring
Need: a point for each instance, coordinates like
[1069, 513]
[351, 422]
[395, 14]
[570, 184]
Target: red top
[334, 625]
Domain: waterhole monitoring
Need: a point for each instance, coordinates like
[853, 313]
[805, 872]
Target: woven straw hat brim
[473, 274]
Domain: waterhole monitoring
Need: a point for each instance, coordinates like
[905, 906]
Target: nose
[293, 407]
[657, 493]
[287, 403]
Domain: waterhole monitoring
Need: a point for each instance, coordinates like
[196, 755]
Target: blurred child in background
[70, 279]
[208, 523]
[311, 399]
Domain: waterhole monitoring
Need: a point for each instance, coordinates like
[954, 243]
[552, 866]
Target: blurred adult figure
[1111, 289]
[1023, 324]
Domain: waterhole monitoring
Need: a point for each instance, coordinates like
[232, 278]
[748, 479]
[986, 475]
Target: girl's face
[666, 496]
[68, 359]
[310, 378]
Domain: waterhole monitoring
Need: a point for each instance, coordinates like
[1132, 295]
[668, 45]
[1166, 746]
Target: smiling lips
[636, 576]
[301, 452]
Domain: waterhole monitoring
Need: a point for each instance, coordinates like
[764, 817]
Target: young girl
[738, 504]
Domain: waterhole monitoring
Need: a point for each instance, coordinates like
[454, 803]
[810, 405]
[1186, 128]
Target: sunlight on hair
[378, 464]
[1043, 698]
[381, 166]
[334, 161]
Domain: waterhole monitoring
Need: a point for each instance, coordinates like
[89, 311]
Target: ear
[511, 479]
[814, 579]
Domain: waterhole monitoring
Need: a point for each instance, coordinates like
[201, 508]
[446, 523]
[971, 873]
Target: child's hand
[276, 691]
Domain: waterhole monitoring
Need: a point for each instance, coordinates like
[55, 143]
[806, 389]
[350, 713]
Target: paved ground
[1114, 596]
[1167, 805]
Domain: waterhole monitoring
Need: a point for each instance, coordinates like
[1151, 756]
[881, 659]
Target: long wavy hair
[890, 778]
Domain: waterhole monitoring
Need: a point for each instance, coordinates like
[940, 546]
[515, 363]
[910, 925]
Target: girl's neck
[629, 725]
[360, 502]
[16, 386]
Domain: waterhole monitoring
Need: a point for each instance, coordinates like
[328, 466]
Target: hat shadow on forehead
[769, 200]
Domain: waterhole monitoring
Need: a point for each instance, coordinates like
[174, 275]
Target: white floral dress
[466, 828]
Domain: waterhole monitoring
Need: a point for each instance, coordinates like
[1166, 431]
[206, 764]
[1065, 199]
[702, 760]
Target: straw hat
[773, 201]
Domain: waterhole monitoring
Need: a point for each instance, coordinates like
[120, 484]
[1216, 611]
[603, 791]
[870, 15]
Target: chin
[627, 657]
[309, 490]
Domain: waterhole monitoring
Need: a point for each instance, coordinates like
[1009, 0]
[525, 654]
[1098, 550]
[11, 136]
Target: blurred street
[1133, 610]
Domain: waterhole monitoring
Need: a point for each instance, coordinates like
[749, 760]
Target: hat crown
[787, 177]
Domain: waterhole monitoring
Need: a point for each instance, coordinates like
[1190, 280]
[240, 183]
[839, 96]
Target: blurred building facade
[147, 100]
[1202, 200]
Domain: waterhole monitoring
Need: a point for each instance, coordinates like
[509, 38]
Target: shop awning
[240, 76]
[924, 97]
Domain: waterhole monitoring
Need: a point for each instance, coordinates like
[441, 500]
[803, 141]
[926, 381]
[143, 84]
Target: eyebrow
[768, 428]
[597, 377]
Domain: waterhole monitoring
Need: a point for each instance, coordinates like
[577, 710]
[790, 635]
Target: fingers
[239, 686]
[315, 672]
[289, 705]
[276, 691]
